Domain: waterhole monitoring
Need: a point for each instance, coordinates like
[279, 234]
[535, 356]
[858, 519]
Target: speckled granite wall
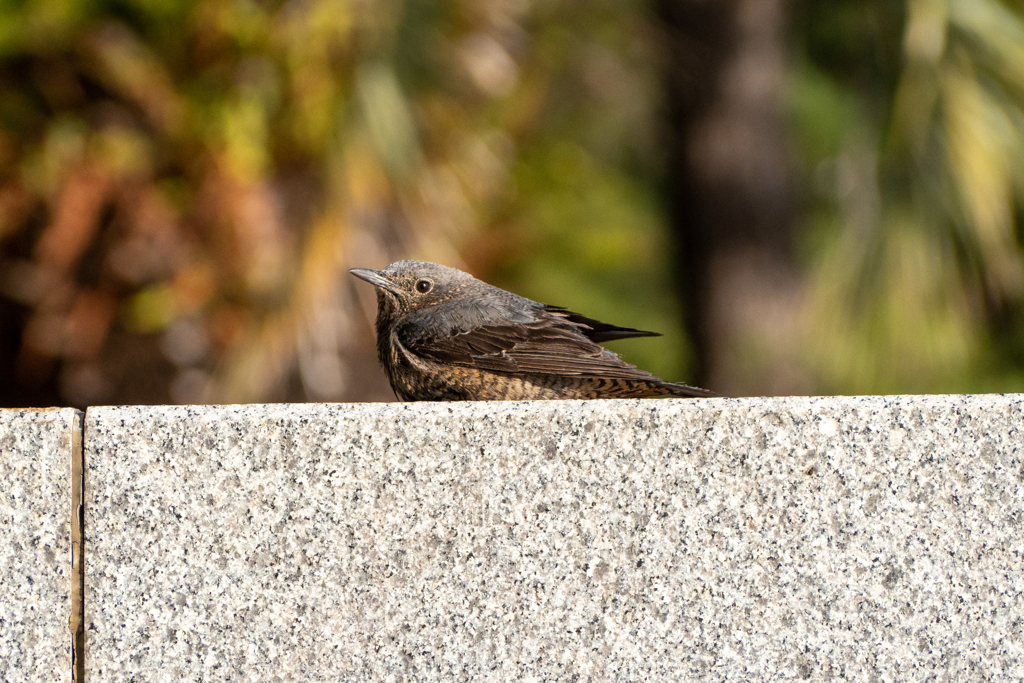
[35, 544]
[755, 539]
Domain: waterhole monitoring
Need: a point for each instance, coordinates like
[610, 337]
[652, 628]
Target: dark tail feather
[676, 389]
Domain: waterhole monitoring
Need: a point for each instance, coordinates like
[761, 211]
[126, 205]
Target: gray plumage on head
[454, 301]
[436, 322]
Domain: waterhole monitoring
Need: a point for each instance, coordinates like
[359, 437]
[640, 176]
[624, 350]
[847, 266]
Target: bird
[443, 335]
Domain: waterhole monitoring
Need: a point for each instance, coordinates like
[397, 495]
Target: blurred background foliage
[183, 186]
[911, 137]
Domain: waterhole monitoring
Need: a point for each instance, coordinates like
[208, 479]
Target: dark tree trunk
[728, 191]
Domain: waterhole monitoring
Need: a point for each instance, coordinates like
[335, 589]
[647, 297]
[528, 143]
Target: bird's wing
[595, 330]
[549, 341]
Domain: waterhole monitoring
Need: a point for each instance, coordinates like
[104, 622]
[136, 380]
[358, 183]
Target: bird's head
[407, 286]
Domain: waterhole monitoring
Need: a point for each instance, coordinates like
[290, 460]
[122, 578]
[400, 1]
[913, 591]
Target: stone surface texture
[862, 538]
[35, 544]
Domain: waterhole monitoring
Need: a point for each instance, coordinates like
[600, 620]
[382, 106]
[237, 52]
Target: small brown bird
[443, 335]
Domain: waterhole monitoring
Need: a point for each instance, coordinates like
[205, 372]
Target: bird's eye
[424, 286]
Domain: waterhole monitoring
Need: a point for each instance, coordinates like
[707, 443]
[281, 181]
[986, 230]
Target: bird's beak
[375, 278]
